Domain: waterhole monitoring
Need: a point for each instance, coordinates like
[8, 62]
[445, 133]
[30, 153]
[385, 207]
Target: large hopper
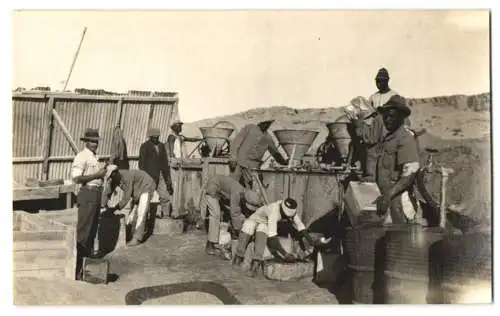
[339, 132]
[216, 137]
[302, 139]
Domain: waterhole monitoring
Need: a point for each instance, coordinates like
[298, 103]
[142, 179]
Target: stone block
[95, 271]
[288, 271]
[168, 226]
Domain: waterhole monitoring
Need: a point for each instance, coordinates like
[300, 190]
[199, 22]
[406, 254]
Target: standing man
[398, 163]
[231, 194]
[138, 186]
[89, 173]
[247, 149]
[384, 92]
[153, 159]
[264, 225]
[176, 141]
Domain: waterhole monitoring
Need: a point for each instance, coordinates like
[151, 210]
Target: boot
[237, 260]
[210, 248]
[257, 269]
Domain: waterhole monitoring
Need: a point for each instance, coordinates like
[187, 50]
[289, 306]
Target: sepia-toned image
[251, 157]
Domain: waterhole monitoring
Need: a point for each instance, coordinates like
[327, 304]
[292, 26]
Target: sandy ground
[166, 260]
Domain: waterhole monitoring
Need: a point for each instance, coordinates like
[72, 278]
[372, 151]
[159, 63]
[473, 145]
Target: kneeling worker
[230, 193]
[139, 186]
[264, 224]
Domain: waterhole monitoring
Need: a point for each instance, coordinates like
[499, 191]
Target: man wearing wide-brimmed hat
[154, 160]
[248, 148]
[224, 191]
[176, 140]
[397, 164]
[89, 173]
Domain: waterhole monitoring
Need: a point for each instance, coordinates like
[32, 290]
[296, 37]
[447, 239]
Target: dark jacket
[154, 162]
[119, 154]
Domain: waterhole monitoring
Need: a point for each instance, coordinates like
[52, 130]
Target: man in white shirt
[384, 92]
[264, 225]
[89, 173]
[176, 141]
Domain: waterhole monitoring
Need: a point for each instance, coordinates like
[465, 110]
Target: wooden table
[24, 193]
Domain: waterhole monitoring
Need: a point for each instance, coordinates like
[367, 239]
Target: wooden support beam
[65, 131]
[46, 140]
[119, 110]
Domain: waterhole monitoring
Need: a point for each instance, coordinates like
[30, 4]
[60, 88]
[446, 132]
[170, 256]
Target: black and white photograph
[251, 157]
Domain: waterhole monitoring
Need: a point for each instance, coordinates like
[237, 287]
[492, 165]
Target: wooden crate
[43, 247]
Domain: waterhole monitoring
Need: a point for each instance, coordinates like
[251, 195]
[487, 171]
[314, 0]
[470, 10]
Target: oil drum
[466, 268]
[409, 274]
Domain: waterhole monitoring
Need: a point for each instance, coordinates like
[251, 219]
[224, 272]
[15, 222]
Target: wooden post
[119, 110]
[445, 172]
[47, 137]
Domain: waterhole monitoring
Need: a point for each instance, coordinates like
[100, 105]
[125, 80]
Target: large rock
[288, 271]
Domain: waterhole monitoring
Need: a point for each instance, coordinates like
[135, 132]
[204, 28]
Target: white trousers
[137, 216]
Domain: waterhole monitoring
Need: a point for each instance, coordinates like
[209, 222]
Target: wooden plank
[70, 265]
[36, 223]
[37, 244]
[51, 274]
[39, 259]
[58, 158]
[65, 131]
[47, 139]
[41, 193]
[42, 236]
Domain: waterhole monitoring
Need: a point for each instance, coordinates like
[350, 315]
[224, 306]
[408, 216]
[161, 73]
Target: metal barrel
[339, 132]
[466, 268]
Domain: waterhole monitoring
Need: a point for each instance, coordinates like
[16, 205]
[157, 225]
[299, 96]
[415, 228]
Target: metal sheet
[28, 124]
[134, 124]
[78, 115]
[20, 172]
[162, 118]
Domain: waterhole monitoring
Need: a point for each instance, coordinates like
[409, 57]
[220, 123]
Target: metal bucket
[301, 139]
[339, 132]
[466, 269]
[216, 138]
[409, 274]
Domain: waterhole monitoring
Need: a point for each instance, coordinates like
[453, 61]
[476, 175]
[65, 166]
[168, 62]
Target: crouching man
[229, 193]
[264, 224]
[139, 186]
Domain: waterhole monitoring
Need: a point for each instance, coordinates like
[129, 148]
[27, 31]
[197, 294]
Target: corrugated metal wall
[79, 112]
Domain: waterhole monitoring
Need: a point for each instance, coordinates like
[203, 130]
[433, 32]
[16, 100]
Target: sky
[223, 62]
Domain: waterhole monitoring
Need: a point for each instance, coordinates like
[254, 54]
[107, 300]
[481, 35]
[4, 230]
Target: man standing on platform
[176, 141]
[89, 173]
[153, 159]
[248, 148]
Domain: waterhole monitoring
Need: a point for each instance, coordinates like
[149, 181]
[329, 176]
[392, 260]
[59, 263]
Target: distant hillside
[458, 125]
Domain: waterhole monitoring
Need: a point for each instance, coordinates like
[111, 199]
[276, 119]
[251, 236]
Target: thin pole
[74, 59]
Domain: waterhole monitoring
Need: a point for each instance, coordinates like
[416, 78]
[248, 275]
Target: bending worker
[247, 149]
[397, 164]
[232, 194]
[264, 224]
[138, 186]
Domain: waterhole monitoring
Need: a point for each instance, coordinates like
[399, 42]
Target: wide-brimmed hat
[396, 102]
[252, 200]
[90, 134]
[154, 132]
[382, 74]
[289, 207]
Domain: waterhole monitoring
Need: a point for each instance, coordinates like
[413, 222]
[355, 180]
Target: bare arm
[273, 150]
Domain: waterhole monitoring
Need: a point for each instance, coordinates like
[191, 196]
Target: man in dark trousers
[153, 159]
[248, 148]
[89, 173]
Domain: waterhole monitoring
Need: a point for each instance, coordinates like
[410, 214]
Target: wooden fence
[41, 149]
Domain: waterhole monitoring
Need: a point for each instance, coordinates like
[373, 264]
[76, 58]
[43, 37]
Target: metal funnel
[302, 139]
[216, 137]
[338, 131]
